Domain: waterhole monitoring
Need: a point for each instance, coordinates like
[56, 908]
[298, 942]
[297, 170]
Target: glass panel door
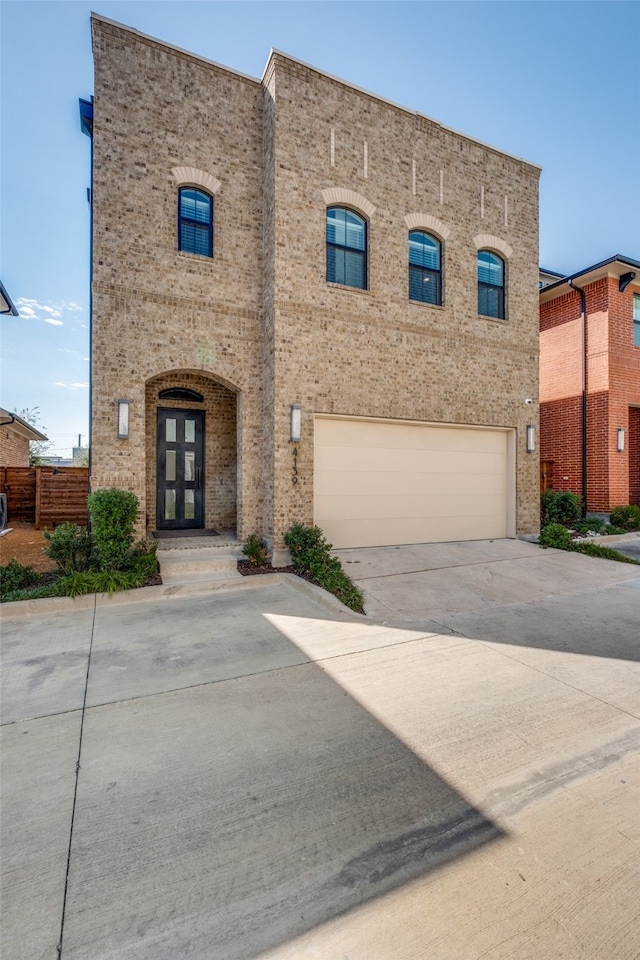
[180, 469]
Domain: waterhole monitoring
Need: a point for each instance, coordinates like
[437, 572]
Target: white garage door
[379, 482]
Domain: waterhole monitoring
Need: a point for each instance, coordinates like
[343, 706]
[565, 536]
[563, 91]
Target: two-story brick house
[590, 383]
[309, 305]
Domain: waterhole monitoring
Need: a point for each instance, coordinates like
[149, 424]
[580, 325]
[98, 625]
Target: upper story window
[636, 319]
[195, 221]
[490, 284]
[346, 248]
[425, 275]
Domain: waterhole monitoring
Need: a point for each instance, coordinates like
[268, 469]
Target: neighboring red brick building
[590, 371]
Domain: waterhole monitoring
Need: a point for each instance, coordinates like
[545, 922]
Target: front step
[187, 560]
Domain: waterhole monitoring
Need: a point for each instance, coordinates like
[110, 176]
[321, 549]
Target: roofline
[8, 419]
[172, 46]
[618, 258]
[12, 309]
[398, 106]
[322, 73]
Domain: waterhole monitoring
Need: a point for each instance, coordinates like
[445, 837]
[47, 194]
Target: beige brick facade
[257, 327]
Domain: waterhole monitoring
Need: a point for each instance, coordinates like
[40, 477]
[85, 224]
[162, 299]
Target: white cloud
[67, 385]
[52, 313]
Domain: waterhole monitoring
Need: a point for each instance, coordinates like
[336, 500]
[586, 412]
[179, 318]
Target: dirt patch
[26, 544]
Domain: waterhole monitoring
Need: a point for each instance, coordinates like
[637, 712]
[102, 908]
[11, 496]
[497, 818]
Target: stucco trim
[425, 221]
[350, 198]
[485, 241]
[197, 177]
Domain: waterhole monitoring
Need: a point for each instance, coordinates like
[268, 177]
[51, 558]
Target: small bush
[143, 560]
[307, 546]
[255, 550]
[113, 516]
[611, 531]
[70, 547]
[559, 506]
[555, 535]
[627, 518]
[311, 554]
[16, 577]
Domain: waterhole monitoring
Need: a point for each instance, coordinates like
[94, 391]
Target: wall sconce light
[295, 422]
[620, 440]
[531, 438]
[123, 419]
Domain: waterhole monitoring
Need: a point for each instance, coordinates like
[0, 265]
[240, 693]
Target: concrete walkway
[253, 772]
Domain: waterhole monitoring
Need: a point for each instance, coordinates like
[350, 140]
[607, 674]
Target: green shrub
[588, 526]
[606, 553]
[611, 531]
[255, 550]
[311, 555]
[555, 535]
[100, 581]
[70, 547]
[307, 546]
[627, 518]
[113, 516]
[143, 559]
[16, 577]
[559, 506]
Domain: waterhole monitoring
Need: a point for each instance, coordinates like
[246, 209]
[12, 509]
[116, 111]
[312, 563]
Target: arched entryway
[191, 452]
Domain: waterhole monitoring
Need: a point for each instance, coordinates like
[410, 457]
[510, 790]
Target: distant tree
[38, 449]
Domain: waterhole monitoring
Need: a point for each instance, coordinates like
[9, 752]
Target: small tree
[38, 449]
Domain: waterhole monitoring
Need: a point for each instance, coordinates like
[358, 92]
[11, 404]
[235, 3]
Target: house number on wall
[294, 478]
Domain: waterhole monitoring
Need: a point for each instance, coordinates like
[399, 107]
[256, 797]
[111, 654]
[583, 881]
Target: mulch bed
[248, 570]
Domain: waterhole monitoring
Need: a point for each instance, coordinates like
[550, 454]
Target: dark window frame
[199, 226]
[636, 320]
[361, 254]
[491, 296]
[421, 273]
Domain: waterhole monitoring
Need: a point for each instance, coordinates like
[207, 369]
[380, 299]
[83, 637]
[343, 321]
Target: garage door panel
[403, 483]
[395, 460]
[383, 482]
[411, 508]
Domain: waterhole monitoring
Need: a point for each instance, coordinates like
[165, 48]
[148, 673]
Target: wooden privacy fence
[46, 496]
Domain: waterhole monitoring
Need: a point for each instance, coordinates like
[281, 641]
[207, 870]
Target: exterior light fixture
[620, 440]
[123, 419]
[295, 420]
[531, 438]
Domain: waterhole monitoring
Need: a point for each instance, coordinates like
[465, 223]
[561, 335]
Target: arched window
[490, 284]
[346, 247]
[425, 274]
[195, 221]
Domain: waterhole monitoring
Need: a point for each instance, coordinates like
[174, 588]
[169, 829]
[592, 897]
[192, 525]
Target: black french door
[180, 469]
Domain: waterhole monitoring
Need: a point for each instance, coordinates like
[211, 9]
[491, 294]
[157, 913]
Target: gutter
[583, 310]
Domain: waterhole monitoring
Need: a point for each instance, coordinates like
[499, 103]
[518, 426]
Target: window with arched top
[346, 247]
[490, 284]
[425, 268]
[195, 221]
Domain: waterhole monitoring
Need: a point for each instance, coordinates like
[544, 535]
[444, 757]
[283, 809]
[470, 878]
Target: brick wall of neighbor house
[259, 323]
[14, 449]
[613, 390]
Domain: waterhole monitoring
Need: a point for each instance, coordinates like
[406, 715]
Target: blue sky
[554, 82]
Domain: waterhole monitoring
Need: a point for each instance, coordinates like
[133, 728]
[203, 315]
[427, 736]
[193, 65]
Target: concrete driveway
[256, 773]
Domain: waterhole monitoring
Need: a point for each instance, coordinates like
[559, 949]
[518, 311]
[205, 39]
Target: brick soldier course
[257, 327]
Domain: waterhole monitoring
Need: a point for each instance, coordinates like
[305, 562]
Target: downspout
[86, 125]
[583, 311]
